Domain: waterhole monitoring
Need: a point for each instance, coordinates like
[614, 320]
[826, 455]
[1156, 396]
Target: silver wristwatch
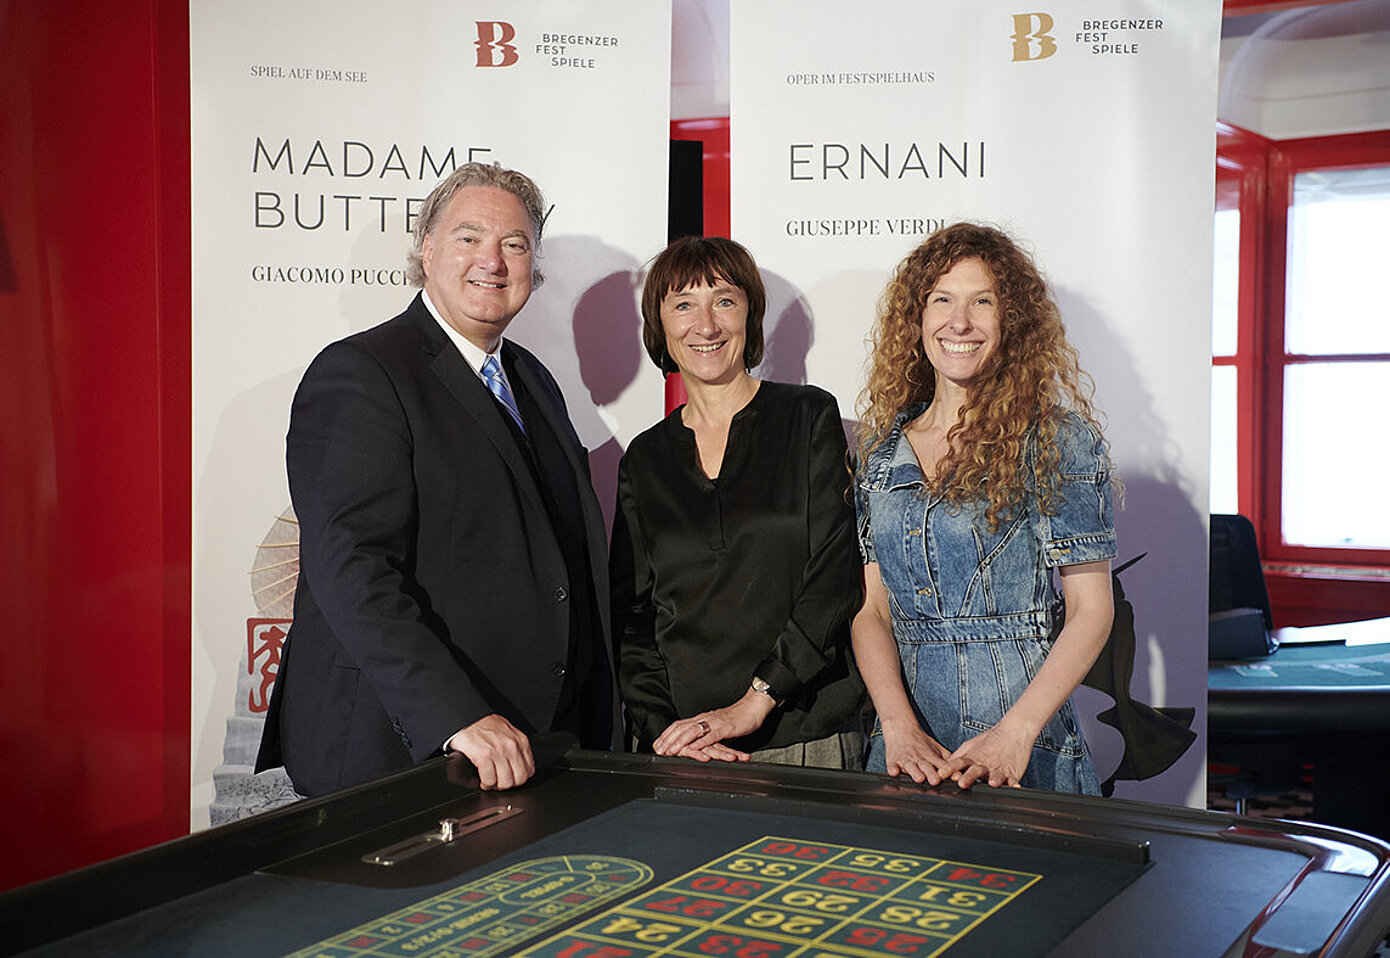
[762, 687]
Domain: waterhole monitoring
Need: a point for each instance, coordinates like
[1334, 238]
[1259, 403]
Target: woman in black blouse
[734, 566]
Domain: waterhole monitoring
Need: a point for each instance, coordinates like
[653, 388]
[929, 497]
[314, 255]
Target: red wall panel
[713, 134]
[94, 437]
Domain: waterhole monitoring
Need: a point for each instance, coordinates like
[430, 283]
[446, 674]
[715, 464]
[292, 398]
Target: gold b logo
[1028, 29]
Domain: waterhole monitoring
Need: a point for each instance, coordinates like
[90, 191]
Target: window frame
[1242, 184]
[1266, 170]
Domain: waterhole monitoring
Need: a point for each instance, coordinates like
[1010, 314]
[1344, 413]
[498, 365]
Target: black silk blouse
[754, 573]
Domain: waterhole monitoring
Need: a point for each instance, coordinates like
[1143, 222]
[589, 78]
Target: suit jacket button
[561, 595]
[558, 668]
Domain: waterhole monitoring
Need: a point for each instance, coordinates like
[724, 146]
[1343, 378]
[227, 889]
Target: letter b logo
[494, 43]
[1027, 28]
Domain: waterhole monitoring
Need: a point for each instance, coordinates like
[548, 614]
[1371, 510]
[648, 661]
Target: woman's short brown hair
[695, 261]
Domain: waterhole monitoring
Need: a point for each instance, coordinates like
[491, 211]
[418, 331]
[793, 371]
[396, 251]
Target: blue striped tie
[492, 372]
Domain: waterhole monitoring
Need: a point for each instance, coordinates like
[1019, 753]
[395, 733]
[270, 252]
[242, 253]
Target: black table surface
[743, 861]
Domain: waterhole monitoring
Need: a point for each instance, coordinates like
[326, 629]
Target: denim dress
[970, 607]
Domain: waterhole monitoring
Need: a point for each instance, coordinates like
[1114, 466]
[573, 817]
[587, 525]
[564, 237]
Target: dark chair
[1236, 577]
[1241, 619]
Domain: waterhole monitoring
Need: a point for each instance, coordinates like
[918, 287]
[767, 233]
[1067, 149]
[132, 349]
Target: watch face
[763, 688]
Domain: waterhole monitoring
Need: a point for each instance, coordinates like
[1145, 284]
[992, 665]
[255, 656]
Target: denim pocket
[992, 675]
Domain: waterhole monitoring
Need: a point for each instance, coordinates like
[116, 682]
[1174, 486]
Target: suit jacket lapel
[465, 386]
[593, 515]
[555, 417]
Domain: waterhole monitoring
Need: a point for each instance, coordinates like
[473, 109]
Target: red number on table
[738, 947]
[811, 852]
[737, 889]
[899, 943]
[695, 908]
[985, 880]
[579, 948]
[852, 880]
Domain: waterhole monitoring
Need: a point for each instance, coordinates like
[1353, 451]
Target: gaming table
[1313, 687]
[623, 856]
[1322, 699]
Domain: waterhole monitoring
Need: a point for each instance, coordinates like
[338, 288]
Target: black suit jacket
[432, 590]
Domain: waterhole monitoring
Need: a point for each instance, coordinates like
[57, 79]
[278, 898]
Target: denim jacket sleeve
[1083, 529]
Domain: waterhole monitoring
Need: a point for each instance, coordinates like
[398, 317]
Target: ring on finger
[704, 727]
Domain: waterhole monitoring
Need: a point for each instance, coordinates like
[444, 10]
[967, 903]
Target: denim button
[561, 595]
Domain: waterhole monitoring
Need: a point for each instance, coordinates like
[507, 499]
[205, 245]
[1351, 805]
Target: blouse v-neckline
[691, 446]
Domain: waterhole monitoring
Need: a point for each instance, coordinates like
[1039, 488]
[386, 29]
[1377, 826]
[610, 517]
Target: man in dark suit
[453, 585]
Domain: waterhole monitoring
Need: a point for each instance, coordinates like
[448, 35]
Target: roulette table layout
[622, 856]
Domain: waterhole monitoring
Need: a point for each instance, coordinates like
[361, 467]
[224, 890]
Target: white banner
[317, 130]
[1090, 138]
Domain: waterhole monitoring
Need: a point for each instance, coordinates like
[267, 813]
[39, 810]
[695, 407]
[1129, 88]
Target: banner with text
[1089, 138]
[317, 131]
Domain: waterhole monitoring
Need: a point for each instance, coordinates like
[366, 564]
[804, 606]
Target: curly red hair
[1031, 381]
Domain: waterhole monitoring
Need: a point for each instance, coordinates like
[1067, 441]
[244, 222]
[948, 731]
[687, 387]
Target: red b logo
[494, 43]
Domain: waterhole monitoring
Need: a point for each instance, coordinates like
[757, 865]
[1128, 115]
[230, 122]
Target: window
[1225, 326]
[1301, 345]
[1336, 360]
[1236, 300]
[1327, 350]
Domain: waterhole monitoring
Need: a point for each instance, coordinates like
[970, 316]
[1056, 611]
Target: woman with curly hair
[982, 468]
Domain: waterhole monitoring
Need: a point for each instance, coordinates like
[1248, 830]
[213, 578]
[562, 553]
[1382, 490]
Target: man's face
[478, 262]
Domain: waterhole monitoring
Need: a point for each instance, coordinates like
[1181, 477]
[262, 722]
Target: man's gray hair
[476, 174]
